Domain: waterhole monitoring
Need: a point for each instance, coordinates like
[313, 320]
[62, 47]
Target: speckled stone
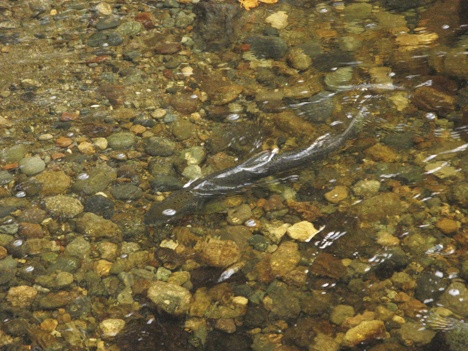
[21, 296]
[53, 182]
[171, 298]
[97, 227]
[63, 206]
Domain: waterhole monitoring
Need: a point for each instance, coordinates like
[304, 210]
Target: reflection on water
[107, 108]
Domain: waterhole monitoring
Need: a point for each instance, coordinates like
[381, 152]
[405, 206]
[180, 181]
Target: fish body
[233, 179]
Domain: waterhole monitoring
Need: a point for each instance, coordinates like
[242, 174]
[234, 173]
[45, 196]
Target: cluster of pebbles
[108, 107]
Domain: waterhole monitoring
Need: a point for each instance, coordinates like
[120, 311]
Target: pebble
[218, 253]
[121, 141]
[379, 207]
[381, 153]
[183, 129]
[302, 231]
[126, 192]
[366, 188]
[194, 156]
[284, 259]
[97, 227]
[340, 313]
[107, 37]
[171, 298]
[442, 170]
[365, 331]
[111, 327]
[278, 20]
[447, 225]
[31, 165]
[55, 281]
[192, 172]
[412, 333]
[97, 180]
[337, 194]
[100, 205]
[239, 214]
[267, 47]
[298, 59]
[130, 28]
[14, 153]
[21, 296]
[339, 79]
[157, 146]
[30, 230]
[455, 298]
[53, 182]
[63, 206]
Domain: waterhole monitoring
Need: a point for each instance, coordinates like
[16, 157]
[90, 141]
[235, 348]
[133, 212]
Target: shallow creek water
[109, 107]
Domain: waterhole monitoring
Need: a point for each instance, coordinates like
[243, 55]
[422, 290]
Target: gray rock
[5, 177]
[14, 153]
[31, 165]
[105, 37]
[97, 180]
[157, 146]
[126, 192]
[121, 140]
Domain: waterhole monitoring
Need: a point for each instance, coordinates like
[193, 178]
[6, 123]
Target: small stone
[63, 141]
[104, 8]
[57, 280]
[53, 182]
[447, 225]
[365, 331]
[298, 59]
[239, 215]
[86, 148]
[340, 313]
[13, 153]
[455, 298]
[79, 247]
[21, 296]
[122, 140]
[31, 165]
[303, 231]
[338, 194]
[111, 327]
[97, 227]
[226, 94]
[157, 146]
[284, 259]
[278, 20]
[218, 253]
[183, 129]
[433, 100]
[171, 298]
[327, 265]
[63, 206]
[442, 170]
[366, 188]
[412, 333]
[339, 79]
[379, 152]
[102, 268]
[30, 230]
[126, 192]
